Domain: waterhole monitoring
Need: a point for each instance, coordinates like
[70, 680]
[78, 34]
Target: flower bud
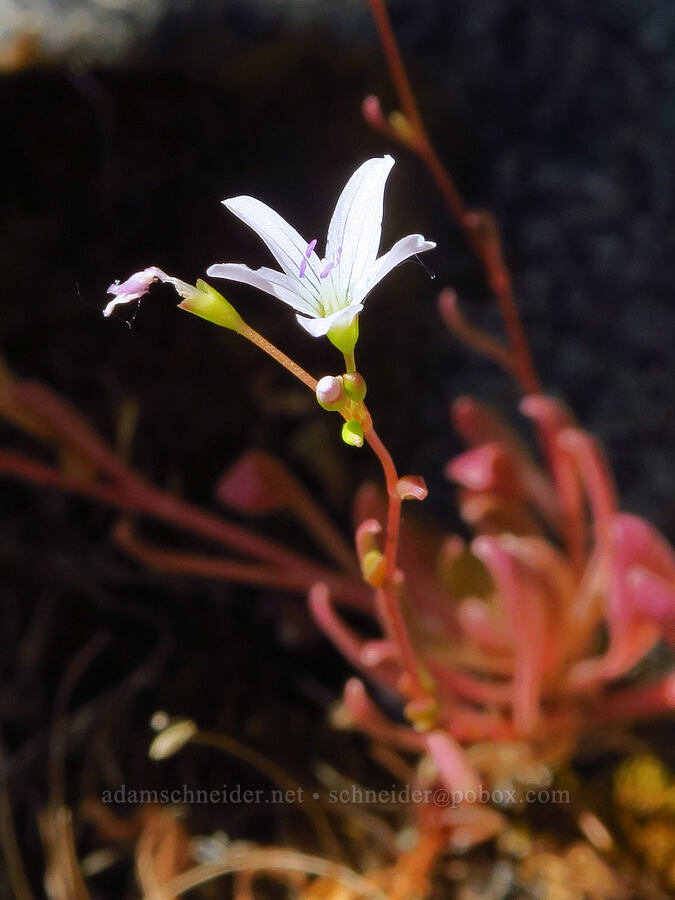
[373, 568]
[422, 714]
[172, 738]
[330, 392]
[371, 110]
[352, 433]
[355, 386]
[401, 125]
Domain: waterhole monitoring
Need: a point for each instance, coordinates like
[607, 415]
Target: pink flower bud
[330, 392]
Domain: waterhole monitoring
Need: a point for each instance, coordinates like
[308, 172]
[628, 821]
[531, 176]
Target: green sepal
[208, 304]
[344, 337]
[352, 433]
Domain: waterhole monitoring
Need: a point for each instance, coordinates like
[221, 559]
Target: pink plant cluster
[526, 632]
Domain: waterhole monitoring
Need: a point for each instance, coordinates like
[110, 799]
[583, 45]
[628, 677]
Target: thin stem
[291, 788]
[166, 507]
[16, 872]
[287, 578]
[350, 362]
[245, 859]
[389, 593]
[276, 354]
[474, 337]
[484, 241]
[395, 63]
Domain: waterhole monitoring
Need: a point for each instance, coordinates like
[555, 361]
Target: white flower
[327, 293]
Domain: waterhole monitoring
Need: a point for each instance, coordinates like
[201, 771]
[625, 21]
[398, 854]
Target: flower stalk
[479, 228]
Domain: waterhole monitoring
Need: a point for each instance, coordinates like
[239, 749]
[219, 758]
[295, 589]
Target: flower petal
[139, 283]
[287, 246]
[283, 287]
[402, 250]
[356, 227]
[321, 326]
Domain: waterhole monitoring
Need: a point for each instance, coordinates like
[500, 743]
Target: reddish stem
[234, 571]
[277, 355]
[390, 605]
[483, 240]
[474, 337]
[139, 497]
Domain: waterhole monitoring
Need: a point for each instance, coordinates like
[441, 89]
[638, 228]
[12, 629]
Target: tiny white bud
[172, 739]
[330, 391]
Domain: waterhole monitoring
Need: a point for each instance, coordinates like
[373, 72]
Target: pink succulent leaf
[481, 625]
[631, 544]
[489, 513]
[346, 640]
[365, 537]
[551, 417]
[594, 473]
[640, 701]
[477, 424]
[524, 609]
[637, 545]
[487, 467]
[257, 483]
[653, 597]
[368, 718]
[373, 653]
[454, 770]
[483, 691]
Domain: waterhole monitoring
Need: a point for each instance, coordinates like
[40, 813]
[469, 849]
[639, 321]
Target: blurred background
[125, 125]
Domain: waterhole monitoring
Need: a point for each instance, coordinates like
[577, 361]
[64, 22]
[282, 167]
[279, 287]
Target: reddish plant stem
[139, 497]
[473, 337]
[389, 591]
[641, 701]
[277, 355]
[234, 571]
[395, 64]
[484, 242]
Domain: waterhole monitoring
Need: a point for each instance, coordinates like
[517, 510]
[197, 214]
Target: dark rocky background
[123, 129]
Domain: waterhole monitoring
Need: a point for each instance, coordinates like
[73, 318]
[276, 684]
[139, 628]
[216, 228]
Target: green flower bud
[352, 433]
[373, 568]
[355, 386]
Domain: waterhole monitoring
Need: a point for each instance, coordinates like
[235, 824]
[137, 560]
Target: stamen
[332, 265]
[308, 254]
